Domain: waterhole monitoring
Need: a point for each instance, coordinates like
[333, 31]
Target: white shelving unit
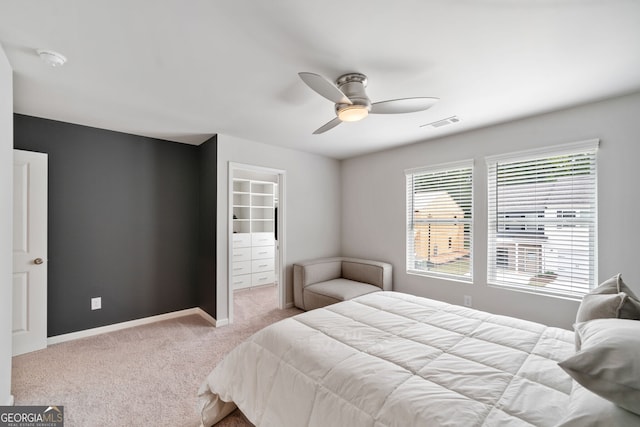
[253, 227]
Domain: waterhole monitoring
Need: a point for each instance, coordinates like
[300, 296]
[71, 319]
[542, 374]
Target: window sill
[536, 291]
[442, 276]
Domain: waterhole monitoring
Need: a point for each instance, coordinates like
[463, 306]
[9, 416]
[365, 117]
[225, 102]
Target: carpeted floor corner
[147, 375]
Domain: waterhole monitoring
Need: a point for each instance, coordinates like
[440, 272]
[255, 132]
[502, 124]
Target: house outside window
[567, 214]
[542, 211]
[439, 222]
[509, 224]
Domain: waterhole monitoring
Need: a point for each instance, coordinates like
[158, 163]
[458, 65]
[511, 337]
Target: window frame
[410, 175]
[547, 225]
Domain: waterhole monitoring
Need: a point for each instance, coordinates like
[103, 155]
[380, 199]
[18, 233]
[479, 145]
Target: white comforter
[391, 359]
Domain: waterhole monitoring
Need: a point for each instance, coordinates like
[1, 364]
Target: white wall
[312, 211]
[373, 202]
[6, 233]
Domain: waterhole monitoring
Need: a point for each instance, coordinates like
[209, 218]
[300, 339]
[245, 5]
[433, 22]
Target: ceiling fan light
[353, 113]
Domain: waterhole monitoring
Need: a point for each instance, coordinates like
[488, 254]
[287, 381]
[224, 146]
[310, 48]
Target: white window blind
[542, 220]
[439, 222]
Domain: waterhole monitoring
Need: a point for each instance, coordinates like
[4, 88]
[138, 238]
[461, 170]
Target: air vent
[443, 122]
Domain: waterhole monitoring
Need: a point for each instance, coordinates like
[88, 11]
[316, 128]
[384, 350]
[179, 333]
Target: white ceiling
[185, 70]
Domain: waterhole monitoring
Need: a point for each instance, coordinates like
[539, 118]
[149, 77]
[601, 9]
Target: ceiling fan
[352, 102]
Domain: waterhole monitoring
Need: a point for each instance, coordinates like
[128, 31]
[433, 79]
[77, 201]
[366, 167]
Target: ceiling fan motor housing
[352, 85]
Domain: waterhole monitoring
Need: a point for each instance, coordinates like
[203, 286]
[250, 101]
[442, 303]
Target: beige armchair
[321, 282]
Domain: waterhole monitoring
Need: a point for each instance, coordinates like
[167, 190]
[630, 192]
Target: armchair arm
[367, 271]
[309, 272]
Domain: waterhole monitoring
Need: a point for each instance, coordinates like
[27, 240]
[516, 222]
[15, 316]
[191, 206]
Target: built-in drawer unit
[262, 265]
[262, 252]
[266, 278]
[262, 239]
[241, 254]
[241, 267]
[241, 240]
[243, 281]
[253, 259]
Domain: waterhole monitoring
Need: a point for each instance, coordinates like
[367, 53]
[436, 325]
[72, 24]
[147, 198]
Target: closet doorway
[256, 241]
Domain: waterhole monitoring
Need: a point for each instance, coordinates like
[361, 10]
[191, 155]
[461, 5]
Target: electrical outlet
[96, 303]
[467, 300]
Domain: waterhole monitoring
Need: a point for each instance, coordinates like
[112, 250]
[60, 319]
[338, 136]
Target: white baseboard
[221, 322]
[288, 305]
[10, 401]
[131, 323]
[206, 316]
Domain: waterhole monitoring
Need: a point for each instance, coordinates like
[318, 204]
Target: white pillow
[608, 362]
[614, 285]
[587, 409]
[600, 306]
[612, 298]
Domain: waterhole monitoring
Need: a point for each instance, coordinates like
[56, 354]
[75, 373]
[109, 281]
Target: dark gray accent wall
[124, 219]
[208, 155]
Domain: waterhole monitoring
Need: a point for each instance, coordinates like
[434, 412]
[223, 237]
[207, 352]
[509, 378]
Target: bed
[392, 359]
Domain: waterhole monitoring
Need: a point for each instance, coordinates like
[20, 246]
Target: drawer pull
[263, 253]
[237, 282]
[238, 269]
[262, 278]
[263, 265]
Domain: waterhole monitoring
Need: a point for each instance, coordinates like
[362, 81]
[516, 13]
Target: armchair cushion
[336, 290]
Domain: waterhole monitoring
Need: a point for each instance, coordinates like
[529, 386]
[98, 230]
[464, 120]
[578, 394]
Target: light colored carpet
[147, 375]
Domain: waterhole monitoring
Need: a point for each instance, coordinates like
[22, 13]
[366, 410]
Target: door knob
[38, 261]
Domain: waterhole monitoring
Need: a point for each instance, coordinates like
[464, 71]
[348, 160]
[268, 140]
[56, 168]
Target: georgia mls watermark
[31, 416]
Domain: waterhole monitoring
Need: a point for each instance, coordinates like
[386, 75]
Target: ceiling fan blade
[333, 123]
[404, 105]
[324, 87]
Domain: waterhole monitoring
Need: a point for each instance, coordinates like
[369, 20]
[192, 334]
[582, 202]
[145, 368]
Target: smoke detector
[51, 58]
[443, 122]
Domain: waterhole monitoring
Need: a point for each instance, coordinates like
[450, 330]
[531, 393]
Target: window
[439, 223]
[542, 220]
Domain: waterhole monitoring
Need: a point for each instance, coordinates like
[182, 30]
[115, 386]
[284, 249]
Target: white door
[29, 251]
